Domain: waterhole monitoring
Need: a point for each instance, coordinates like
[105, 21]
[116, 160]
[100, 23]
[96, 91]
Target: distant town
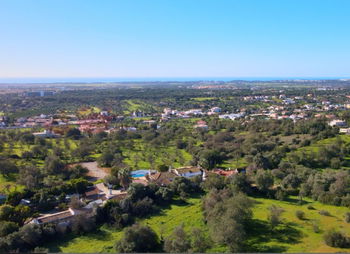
[174, 162]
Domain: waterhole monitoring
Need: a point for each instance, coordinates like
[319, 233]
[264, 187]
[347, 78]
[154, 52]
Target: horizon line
[42, 80]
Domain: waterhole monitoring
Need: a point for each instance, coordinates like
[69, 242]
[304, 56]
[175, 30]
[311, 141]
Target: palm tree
[124, 177]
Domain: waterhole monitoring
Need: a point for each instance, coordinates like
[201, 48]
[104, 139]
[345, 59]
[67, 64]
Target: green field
[88, 110]
[240, 163]
[293, 235]
[137, 157]
[316, 146]
[131, 106]
[103, 241]
[18, 148]
[8, 184]
[296, 235]
[288, 140]
[204, 98]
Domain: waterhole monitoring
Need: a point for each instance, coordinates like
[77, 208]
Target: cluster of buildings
[40, 121]
[165, 178]
[341, 124]
[39, 93]
[172, 113]
[279, 107]
[96, 196]
[274, 106]
[232, 116]
[99, 194]
[93, 123]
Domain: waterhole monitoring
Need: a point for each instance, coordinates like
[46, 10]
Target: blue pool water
[139, 173]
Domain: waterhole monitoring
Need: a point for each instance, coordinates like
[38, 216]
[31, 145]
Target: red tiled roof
[163, 178]
[56, 217]
[224, 172]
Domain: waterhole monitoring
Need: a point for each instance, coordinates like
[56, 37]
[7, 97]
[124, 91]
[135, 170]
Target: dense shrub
[336, 239]
[138, 238]
[316, 228]
[324, 213]
[178, 241]
[7, 227]
[274, 216]
[300, 215]
[310, 207]
[347, 217]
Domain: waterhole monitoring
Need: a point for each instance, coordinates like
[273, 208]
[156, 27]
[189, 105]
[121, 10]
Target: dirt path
[95, 171]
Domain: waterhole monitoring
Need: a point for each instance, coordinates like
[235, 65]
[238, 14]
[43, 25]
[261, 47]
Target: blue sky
[174, 38]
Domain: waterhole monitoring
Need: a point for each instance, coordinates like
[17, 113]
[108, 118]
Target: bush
[112, 180]
[316, 228]
[7, 227]
[143, 207]
[324, 213]
[281, 194]
[199, 242]
[274, 216]
[82, 224]
[336, 239]
[138, 238]
[31, 234]
[347, 217]
[163, 168]
[178, 241]
[41, 250]
[300, 215]
[73, 133]
[310, 207]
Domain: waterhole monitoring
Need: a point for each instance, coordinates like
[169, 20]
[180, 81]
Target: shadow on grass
[180, 202]
[64, 241]
[291, 200]
[10, 177]
[260, 234]
[162, 208]
[297, 201]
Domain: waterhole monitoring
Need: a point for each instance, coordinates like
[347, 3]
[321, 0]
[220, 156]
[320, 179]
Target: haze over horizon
[68, 80]
[181, 39]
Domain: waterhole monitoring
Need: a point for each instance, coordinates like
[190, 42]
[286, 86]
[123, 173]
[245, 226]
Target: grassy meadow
[163, 223]
[295, 235]
[324, 142]
[292, 235]
[8, 184]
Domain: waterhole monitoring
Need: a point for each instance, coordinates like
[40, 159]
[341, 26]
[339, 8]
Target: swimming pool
[140, 172]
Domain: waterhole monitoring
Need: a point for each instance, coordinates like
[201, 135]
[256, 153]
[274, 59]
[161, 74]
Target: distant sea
[155, 79]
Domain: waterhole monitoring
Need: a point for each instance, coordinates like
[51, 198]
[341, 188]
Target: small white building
[194, 112]
[338, 123]
[344, 130]
[45, 134]
[104, 113]
[215, 110]
[231, 116]
[188, 172]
